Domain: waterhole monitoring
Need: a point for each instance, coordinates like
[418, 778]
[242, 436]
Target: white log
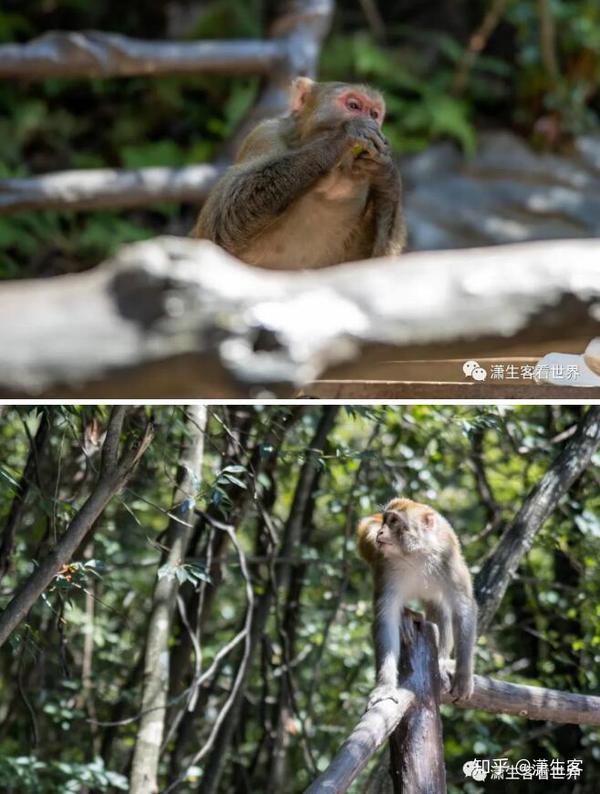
[174, 317]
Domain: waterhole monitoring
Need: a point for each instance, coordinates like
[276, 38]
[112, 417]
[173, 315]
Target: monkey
[414, 553]
[312, 188]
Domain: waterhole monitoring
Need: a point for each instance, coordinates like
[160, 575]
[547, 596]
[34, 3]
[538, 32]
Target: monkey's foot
[383, 692]
[462, 687]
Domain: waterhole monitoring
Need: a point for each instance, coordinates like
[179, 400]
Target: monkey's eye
[375, 114]
[353, 104]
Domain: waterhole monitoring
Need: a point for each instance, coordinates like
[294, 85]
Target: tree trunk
[416, 746]
[144, 770]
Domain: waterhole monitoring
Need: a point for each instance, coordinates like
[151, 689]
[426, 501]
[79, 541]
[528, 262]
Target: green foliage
[193, 573]
[29, 775]
[546, 633]
[571, 98]
[61, 124]
[420, 107]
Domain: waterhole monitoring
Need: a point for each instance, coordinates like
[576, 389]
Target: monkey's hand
[462, 686]
[367, 145]
[383, 692]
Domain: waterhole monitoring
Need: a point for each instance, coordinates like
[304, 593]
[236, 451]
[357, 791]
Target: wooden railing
[293, 48]
[412, 722]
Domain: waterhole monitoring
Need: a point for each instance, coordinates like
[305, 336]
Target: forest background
[268, 641]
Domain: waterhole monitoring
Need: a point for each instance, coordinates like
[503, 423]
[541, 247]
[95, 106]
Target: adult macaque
[414, 553]
[313, 188]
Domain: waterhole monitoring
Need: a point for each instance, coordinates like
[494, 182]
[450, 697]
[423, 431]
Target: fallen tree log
[179, 318]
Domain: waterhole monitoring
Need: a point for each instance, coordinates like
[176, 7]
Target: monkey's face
[318, 106]
[355, 102]
[406, 531]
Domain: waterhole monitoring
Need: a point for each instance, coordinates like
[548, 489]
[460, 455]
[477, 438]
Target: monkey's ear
[429, 519]
[300, 90]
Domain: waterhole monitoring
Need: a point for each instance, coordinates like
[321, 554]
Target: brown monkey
[313, 188]
[414, 553]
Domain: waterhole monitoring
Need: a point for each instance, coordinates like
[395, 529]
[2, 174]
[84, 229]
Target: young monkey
[315, 187]
[414, 553]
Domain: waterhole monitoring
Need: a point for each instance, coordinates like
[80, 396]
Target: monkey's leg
[387, 649]
[464, 623]
[440, 615]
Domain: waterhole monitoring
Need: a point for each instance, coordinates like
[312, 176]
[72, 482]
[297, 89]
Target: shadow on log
[179, 318]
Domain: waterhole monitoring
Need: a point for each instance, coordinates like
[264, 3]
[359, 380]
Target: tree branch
[16, 509]
[498, 570]
[110, 481]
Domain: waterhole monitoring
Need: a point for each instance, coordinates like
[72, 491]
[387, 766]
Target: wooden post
[416, 745]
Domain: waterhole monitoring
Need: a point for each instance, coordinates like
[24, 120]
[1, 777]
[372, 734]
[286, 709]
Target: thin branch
[107, 485]
[30, 473]
[374, 19]
[477, 44]
[548, 41]
[242, 668]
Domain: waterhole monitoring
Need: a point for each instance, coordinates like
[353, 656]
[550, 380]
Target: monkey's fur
[312, 188]
[414, 553]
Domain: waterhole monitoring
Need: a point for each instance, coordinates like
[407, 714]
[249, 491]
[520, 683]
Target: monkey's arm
[385, 197]
[253, 193]
[387, 643]
[390, 229]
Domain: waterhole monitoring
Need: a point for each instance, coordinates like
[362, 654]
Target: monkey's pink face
[356, 104]
[402, 534]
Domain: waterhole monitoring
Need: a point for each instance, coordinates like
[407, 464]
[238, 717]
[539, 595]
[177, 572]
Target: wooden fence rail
[97, 54]
[415, 765]
[86, 189]
[293, 48]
